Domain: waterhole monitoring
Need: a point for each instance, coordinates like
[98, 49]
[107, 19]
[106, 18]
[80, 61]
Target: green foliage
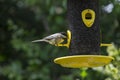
[112, 70]
[22, 21]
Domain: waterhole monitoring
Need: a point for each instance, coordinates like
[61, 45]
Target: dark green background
[22, 21]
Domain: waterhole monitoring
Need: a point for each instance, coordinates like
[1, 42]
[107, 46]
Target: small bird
[54, 39]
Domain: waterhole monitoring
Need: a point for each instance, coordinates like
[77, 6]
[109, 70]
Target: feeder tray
[79, 61]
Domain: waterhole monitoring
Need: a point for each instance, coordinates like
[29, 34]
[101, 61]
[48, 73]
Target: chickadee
[54, 39]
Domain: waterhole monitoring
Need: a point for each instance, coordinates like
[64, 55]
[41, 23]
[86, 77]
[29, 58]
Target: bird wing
[56, 35]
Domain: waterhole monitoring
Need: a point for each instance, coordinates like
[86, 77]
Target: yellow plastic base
[79, 61]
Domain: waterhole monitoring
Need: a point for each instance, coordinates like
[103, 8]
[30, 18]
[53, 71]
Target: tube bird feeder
[84, 36]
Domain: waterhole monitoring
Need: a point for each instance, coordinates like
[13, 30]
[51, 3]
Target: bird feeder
[83, 36]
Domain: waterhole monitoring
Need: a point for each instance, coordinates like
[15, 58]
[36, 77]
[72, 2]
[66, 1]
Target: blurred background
[22, 21]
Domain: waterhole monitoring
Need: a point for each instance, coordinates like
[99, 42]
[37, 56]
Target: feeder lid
[79, 61]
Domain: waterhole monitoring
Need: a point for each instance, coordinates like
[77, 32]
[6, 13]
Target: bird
[54, 39]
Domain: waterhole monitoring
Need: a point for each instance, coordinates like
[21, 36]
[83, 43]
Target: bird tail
[41, 40]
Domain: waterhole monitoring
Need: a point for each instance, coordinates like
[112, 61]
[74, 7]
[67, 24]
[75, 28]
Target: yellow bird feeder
[84, 36]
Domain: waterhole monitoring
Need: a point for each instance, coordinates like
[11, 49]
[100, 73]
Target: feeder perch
[83, 36]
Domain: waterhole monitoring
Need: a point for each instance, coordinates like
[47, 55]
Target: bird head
[64, 33]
